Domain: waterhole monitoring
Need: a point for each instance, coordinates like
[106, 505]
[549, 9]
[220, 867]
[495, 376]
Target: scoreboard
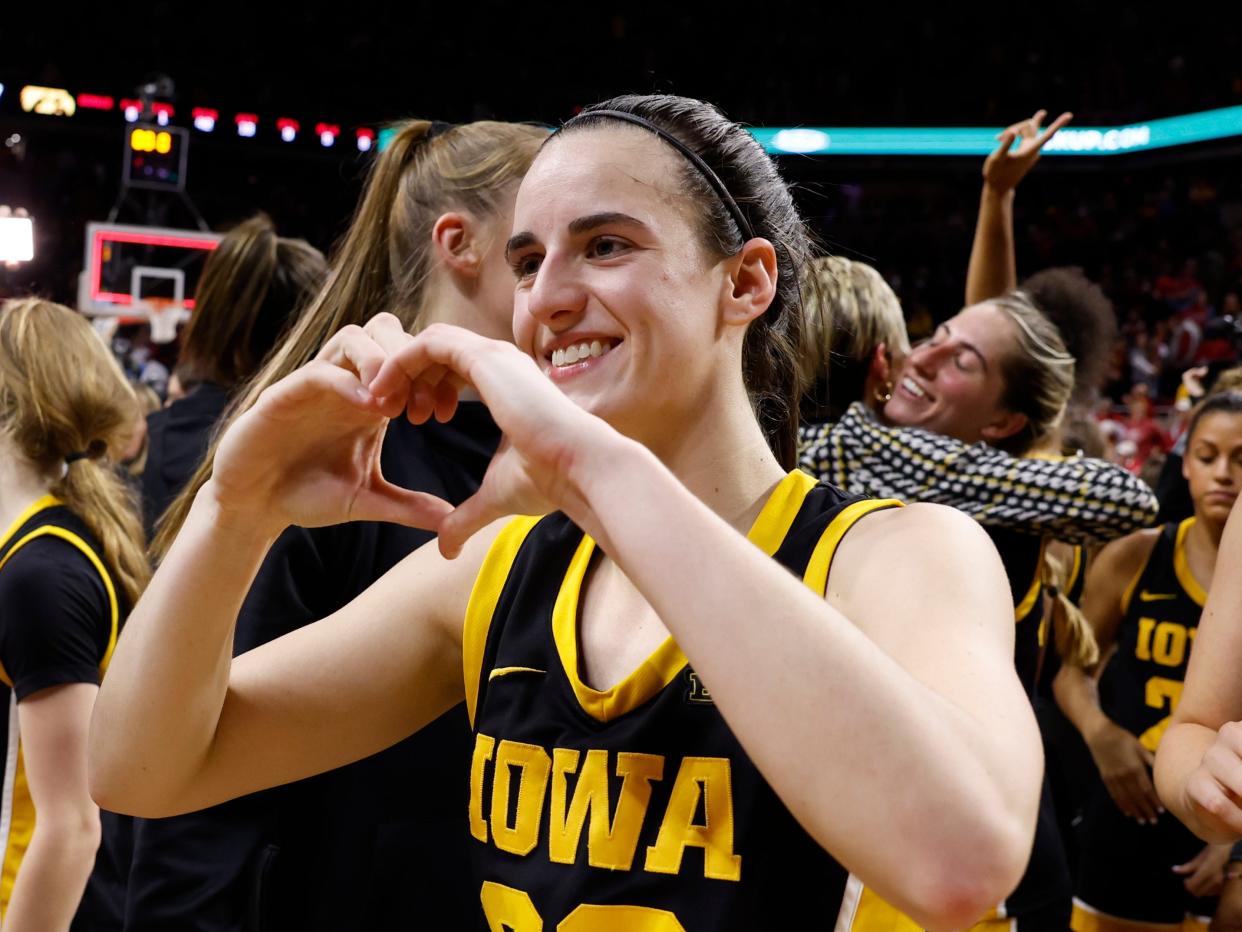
[155, 157]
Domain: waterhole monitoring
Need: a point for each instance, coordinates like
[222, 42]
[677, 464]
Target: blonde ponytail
[1071, 633]
[66, 404]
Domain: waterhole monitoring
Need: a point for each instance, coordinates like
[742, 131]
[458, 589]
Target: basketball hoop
[163, 314]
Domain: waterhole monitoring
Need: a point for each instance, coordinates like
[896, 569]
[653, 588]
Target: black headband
[437, 128]
[691, 156]
[94, 450]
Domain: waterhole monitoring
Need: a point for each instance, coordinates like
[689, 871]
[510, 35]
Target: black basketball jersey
[1021, 555]
[1142, 684]
[60, 613]
[634, 807]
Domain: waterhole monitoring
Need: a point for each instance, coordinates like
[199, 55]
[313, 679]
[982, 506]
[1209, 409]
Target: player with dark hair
[672, 729]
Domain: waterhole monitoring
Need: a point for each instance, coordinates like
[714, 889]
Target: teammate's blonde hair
[385, 259]
[1038, 372]
[849, 311]
[1071, 632]
[62, 393]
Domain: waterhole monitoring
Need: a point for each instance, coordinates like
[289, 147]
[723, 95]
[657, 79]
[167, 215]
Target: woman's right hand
[1125, 766]
[1007, 166]
[308, 452]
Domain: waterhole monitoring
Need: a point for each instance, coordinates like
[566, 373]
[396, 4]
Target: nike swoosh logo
[498, 672]
[1146, 596]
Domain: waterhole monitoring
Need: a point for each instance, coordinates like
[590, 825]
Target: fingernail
[363, 395]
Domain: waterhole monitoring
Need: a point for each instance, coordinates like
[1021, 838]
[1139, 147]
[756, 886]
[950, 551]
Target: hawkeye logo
[1146, 596]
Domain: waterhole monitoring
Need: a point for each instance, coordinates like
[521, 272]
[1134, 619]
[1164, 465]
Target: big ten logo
[696, 692]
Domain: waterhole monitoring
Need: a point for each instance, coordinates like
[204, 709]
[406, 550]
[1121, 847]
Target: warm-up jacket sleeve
[1078, 500]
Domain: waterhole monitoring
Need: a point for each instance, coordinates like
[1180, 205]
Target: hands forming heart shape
[308, 452]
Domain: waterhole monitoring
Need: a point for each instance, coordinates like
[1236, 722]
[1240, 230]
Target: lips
[914, 389]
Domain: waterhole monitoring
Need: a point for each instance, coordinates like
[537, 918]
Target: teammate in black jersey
[376, 845]
[71, 564]
[1144, 594]
[722, 739]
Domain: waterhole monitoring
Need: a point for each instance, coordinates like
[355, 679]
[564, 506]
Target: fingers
[1207, 794]
[1052, 128]
[1006, 140]
[383, 501]
[471, 516]
[354, 349]
[317, 377]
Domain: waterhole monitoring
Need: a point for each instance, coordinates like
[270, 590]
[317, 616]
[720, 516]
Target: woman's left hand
[546, 436]
[1205, 872]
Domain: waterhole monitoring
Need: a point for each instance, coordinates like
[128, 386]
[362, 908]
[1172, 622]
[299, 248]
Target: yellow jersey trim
[667, 660]
[44, 501]
[1072, 580]
[1127, 595]
[74, 540]
[816, 576]
[488, 585]
[1023, 608]
[1181, 566]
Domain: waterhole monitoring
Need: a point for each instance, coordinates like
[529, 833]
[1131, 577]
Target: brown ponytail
[385, 258]
[66, 403]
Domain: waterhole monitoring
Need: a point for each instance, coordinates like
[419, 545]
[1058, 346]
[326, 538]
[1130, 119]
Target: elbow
[73, 837]
[960, 886]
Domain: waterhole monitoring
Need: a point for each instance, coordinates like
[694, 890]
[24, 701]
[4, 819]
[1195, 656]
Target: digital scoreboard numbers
[155, 157]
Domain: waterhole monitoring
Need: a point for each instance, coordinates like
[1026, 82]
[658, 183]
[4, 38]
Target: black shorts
[1127, 868]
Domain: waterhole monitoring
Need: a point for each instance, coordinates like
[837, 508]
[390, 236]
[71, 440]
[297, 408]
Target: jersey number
[510, 910]
[1160, 691]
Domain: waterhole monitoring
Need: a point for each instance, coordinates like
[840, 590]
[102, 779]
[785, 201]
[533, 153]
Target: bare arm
[1078, 500]
[918, 680]
[61, 855]
[993, 268]
[179, 725]
[1199, 763]
[908, 663]
[1123, 762]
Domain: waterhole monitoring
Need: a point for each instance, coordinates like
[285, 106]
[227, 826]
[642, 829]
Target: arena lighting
[132, 110]
[163, 113]
[327, 133]
[16, 236]
[204, 118]
[47, 101]
[976, 141]
[1, 90]
[95, 102]
[366, 139]
[247, 124]
[288, 128]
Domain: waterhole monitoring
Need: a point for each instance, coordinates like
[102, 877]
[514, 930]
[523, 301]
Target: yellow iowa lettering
[608, 845]
[532, 764]
[612, 833]
[709, 779]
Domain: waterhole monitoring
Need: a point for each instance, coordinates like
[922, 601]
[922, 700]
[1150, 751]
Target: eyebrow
[576, 228]
[983, 360]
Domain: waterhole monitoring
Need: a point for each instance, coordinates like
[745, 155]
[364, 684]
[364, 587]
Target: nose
[557, 297]
[925, 359]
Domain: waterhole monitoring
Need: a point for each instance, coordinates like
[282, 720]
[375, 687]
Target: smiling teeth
[572, 354]
[912, 387]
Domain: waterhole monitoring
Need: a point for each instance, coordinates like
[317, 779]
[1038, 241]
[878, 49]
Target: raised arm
[993, 268]
[178, 724]
[1078, 500]
[908, 664]
[1199, 763]
[1124, 764]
